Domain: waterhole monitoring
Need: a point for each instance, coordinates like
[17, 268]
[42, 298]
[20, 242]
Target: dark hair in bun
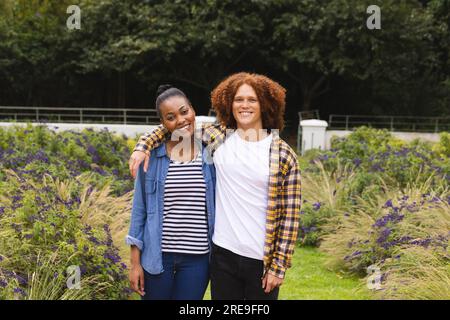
[163, 88]
[166, 91]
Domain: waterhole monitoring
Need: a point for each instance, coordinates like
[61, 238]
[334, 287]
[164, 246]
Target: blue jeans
[185, 277]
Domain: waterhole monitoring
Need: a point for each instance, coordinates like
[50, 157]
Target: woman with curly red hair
[258, 189]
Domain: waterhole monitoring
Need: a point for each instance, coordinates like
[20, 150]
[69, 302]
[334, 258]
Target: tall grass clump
[65, 200]
[375, 201]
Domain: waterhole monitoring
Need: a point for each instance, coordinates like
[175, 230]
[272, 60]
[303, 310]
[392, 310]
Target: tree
[321, 39]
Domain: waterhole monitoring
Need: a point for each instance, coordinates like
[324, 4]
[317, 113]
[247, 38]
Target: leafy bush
[39, 219]
[381, 231]
[364, 164]
[373, 200]
[397, 162]
[34, 151]
[64, 200]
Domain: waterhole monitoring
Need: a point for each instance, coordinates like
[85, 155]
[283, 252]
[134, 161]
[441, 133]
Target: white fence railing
[392, 123]
[79, 115]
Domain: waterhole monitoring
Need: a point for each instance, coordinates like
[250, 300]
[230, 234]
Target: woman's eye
[184, 111]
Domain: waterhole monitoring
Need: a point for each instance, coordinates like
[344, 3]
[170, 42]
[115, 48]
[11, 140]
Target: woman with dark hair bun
[172, 217]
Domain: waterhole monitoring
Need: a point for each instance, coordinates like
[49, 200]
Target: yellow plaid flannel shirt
[284, 196]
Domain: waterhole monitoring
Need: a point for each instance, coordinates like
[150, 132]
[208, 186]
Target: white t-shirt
[242, 170]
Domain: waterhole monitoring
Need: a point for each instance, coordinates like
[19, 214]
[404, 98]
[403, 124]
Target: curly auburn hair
[271, 96]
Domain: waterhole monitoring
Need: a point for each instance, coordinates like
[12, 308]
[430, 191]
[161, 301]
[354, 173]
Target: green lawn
[308, 279]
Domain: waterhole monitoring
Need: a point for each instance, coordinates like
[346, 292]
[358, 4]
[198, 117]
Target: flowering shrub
[37, 220]
[34, 151]
[374, 200]
[64, 201]
[378, 234]
[378, 153]
[365, 164]
[405, 224]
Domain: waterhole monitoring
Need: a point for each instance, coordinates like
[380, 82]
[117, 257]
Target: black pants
[234, 277]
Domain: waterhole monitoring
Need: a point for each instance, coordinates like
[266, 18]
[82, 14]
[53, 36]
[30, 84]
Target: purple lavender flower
[384, 235]
[94, 240]
[435, 199]
[16, 227]
[404, 198]
[388, 204]
[83, 270]
[89, 191]
[377, 168]
[78, 142]
[19, 291]
[356, 253]
[316, 206]
[91, 150]
[111, 256]
[17, 198]
[357, 162]
[21, 280]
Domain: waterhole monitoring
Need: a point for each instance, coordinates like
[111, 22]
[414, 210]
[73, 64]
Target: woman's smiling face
[178, 116]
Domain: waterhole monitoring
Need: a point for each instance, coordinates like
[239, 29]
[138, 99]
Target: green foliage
[442, 148]
[365, 164]
[33, 151]
[41, 221]
[404, 234]
[311, 47]
[316, 39]
[64, 200]
[378, 153]
[373, 200]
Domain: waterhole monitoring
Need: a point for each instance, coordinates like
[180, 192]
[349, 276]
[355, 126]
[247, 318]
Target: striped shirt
[284, 194]
[185, 224]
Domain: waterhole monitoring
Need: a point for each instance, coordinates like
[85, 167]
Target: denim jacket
[146, 223]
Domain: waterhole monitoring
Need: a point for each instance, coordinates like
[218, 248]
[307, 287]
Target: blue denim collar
[161, 150]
